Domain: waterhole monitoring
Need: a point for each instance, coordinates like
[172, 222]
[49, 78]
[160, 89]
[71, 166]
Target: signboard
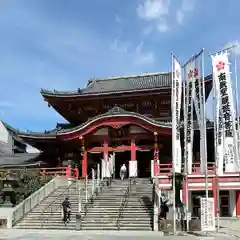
[207, 214]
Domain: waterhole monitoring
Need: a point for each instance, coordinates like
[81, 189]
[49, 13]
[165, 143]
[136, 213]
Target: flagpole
[173, 165]
[185, 148]
[203, 127]
[216, 129]
[224, 49]
[236, 96]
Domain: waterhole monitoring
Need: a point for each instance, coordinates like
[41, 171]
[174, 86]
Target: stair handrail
[95, 189]
[124, 201]
[86, 191]
[23, 208]
[62, 193]
[54, 201]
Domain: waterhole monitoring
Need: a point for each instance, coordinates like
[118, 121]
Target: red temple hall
[129, 116]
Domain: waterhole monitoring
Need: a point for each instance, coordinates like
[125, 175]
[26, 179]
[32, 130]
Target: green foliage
[29, 181]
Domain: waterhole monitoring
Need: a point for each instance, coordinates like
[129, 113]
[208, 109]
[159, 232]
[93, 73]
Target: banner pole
[237, 112]
[203, 128]
[185, 148]
[224, 49]
[215, 148]
[173, 160]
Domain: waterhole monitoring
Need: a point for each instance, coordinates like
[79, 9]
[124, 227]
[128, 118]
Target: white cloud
[42, 51]
[156, 12]
[186, 7]
[136, 54]
[118, 19]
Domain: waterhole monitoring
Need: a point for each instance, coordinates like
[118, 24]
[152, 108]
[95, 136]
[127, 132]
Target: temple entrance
[120, 159]
[93, 160]
[144, 163]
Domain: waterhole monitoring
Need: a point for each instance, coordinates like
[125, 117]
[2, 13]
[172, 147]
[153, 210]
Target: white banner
[176, 107]
[110, 160]
[133, 168]
[188, 118]
[103, 168]
[207, 214]
[221, 75]
[199, 104]
[218, 129]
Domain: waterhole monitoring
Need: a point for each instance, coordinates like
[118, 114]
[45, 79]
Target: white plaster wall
[6, 141]
[31, 149]
[3, 134]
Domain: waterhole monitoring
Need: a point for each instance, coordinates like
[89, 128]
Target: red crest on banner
[220, 65]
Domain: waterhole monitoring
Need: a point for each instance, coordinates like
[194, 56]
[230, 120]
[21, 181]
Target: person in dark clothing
[66, 210]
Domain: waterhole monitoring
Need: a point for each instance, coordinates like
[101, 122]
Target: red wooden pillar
[84, 158]
[68, 171]
[105, 149]
[84, 164]
[133, 149]
[156, 154]
[214, 191]
[238, 203]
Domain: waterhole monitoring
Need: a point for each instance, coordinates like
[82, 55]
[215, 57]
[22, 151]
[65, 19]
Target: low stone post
[78, 221]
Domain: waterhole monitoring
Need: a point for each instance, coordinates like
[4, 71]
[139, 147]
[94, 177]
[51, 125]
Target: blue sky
[61, 44]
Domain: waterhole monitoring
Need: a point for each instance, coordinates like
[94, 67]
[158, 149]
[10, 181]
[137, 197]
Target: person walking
[123, 171]
[66, 210]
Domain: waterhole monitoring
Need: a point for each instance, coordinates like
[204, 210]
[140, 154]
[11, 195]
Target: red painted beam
[119, 148]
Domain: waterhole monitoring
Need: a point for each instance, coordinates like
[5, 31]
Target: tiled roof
[21, 159]
[120, 84]
[148, 81]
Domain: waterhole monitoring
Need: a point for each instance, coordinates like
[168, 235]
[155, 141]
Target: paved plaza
[18, 234]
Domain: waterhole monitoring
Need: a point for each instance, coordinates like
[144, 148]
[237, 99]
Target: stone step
[101, 214]
[58, 211]
[52, 222]
[135, 214]
[100, 228]
[135, 228]
[60, 227]
[136, 222]
[140, 213]
[100, 218]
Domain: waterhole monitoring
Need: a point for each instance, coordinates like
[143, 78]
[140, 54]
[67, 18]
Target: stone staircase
[138, 213]
[48, 214]
[103, 215]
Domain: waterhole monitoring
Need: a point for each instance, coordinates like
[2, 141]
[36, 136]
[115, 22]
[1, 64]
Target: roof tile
[146, 81]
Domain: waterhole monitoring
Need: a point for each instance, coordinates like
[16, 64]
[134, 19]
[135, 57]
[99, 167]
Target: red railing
[54, 171]
[61, 171]
[196, 169]
[166, 168]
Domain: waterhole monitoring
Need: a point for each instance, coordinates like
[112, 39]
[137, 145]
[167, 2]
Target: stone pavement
[20, 234]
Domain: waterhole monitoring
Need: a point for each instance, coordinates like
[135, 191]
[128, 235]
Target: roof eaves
[117, 111]
[38, 135]
[49, 93]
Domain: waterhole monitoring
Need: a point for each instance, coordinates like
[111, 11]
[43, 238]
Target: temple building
[131, 117]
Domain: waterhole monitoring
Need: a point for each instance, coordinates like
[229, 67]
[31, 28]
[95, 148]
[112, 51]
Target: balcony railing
[166, 168]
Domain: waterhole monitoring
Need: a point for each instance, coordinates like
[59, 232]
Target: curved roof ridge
[130, 76]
